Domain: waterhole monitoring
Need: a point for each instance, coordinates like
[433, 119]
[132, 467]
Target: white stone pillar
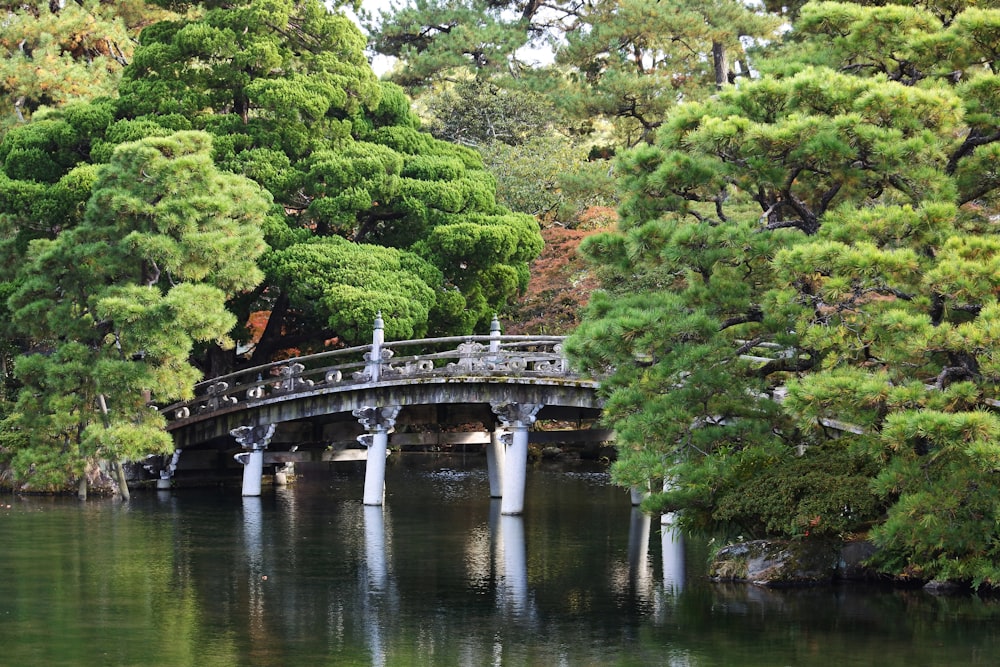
[494, 339]
[518, 417]
[374, 367]
[167, 474]
[495, 457]
[254, 439]
[379, 423]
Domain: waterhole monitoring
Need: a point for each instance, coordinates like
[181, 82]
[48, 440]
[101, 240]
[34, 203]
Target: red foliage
[560, 284]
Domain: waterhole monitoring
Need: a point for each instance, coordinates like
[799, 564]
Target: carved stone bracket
[217, 396]
[515, 415]
[560, 365]
[370, 373]
[291, 379]
[413, 367]
[253, 437]
[471, 356]
[378, 419]
[474, 356]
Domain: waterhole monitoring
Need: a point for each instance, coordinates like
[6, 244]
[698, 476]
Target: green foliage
[549, 177]
[943, 521]
[628, 61]
[832, 231]
[118, 301]
[763, 492]
[286, 94]
[477, 113]
[58, 53]
[352, 282]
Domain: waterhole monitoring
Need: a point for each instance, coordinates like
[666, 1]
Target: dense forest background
[790, 213]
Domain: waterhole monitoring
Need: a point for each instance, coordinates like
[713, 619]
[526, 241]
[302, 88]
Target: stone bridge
[307, 408]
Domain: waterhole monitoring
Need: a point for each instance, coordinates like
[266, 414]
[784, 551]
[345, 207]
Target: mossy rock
[777, 562]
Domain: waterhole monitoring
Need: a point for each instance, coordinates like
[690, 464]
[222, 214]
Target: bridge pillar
[495, 456]
[518, 417]
[373, 369]
[255, 439]
[166, 474]
[379, 422]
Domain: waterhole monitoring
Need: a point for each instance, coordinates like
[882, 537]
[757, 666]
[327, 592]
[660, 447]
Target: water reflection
[435, 576]
[672, 546]
[640, 570]
[513, 594]
[378, 601]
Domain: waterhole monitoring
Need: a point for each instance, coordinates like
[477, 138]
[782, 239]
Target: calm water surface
[309, 576]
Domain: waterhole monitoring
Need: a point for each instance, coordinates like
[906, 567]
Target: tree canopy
[290, 101]
[116, 304]
[55, 53]
[802, 284]
[625, 60]
[356, 211]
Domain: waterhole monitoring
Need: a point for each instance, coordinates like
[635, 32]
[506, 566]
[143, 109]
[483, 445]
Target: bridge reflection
[504, 567]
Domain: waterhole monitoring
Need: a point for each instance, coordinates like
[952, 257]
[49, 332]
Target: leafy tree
[824, 233]
[290, 101]
[286, 91]
[541, 167]
[117, 303]
[54, 52]
[550, 177]
[476, 113]
[612, 58]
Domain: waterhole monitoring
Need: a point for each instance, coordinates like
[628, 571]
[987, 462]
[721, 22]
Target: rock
[940, 587]
[851, 565]
[777, 562]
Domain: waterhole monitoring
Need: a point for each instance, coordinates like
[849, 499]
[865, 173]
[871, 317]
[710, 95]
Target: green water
[309, 576]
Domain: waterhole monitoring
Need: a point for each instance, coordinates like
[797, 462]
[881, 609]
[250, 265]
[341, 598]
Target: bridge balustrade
[494, 355]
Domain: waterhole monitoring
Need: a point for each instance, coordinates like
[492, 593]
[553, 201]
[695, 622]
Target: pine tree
[823, 233]
[116, 304]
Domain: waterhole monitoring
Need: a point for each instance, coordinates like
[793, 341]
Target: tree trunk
[219, 361]
[721, 65]
[272, 332]
[122, 482]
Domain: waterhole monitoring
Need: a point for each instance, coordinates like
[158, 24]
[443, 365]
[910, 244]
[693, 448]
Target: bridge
[504, 382]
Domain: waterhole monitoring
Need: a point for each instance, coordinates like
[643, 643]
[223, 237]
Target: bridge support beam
[495, 457]
[255, 439]
[379, 423]
[518, 417]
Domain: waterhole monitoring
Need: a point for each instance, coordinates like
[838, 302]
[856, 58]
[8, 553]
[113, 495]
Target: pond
[307, 575]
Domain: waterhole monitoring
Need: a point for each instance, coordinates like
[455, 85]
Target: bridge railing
[493, 355]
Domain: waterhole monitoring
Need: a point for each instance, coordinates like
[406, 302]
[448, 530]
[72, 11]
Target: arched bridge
[504, 382]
